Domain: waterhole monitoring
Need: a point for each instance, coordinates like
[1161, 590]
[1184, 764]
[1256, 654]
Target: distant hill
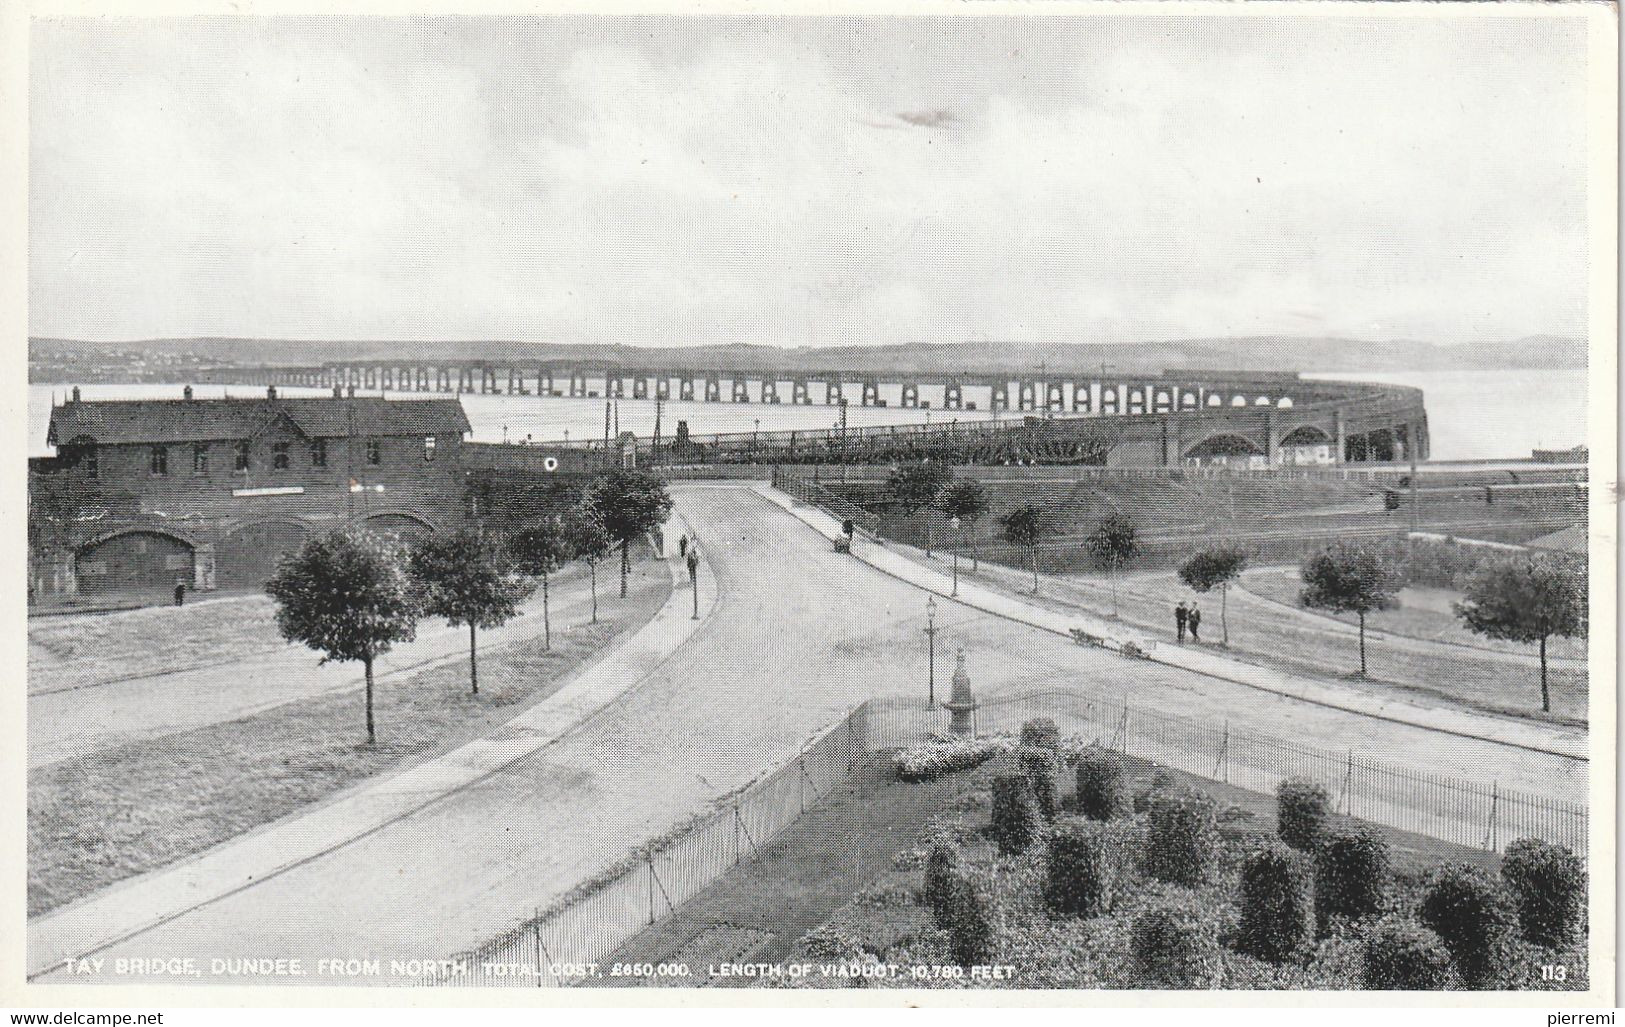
[60, 360]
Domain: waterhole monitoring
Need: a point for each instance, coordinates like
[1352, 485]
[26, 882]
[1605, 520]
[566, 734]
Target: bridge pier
[615, 388]
[1001, 396]
[713, 390]
[1055, 397]
[799, 393]
[871, 393]
[662, 388]
[770, 390]
[1081, 397]
[1136, 399]
[1027, 397]
[578, 384]
[953, 397]
[741, 391]
[640, 388]
[911, 395]
[833, 394]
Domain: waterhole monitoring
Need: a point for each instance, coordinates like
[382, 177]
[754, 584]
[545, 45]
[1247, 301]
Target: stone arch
[1262, 401]
[405, 525]
[1284, 403]
[143, 559]
[1238, 401]
[1223, 444]
[1306, 435]
[1215, 400]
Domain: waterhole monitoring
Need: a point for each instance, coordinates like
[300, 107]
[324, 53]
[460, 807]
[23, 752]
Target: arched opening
[1223, 450]
[1238, 401]
[1215, 400]
[1306, 445]
[403, 526]
[136, 563]
[1262, 401]
[248, 556]
[1284, 403]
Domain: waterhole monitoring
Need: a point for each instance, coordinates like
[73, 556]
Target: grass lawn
[91, 648]
[886, 922]
[1422, 613]
[97, 819]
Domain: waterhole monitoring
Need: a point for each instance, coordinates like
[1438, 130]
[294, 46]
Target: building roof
[1570, 540]
[110, 422]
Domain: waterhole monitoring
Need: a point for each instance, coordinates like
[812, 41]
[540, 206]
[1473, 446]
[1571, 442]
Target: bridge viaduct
[1076, 416]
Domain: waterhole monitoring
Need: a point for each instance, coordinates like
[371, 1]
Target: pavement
[1507, 731]
[438, 859]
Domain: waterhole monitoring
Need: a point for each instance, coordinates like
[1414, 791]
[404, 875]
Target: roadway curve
[799, 634]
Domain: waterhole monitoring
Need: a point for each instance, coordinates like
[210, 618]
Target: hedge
[1176, 945]
[1040, 766]
[1277, 905]
[1100, 794]
[941, 866]
[1017, 820]
[1041, 733]
[1183, 838]
[1300, 813]
[968, 921]
[1473, 916]
[1402, 955]
[1548, 883]
[1351, 877]
[1089, 865]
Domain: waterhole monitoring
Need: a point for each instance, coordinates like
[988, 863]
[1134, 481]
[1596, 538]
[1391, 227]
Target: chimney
[270, 392]
[186, 393]
[75, 398]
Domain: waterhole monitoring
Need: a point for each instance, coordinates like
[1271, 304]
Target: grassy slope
[97, 819]
[886, 921]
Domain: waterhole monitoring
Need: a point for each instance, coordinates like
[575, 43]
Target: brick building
[145, 493]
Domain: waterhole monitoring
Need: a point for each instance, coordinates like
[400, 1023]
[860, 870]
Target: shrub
[1100, 784]
[969, 922]
[1300, 812]
[1161, 781]
[1016, 817]
[1176, 945]
[941, 867]
[1277, 910]
[1472, 915]
[1402, 955]
[1183, 837]
[1041, 733]
[1088, 865]
[1548, 883]
[1039, 766]
[1351, 876]
[940, 756]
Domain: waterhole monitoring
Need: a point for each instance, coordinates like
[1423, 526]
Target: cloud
[659, 181]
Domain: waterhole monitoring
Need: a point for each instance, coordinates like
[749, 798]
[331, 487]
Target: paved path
[80, 720]
[798, 635]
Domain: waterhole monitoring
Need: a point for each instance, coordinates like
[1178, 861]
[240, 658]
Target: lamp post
[955, 522]
[931, 650]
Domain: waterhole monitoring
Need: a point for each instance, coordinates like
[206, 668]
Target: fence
[649, 888]
[652, 886]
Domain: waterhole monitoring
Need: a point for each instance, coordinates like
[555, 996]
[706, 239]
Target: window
[428, 447]
[200, 458]
[279, 456]
[240, 455]
[93, 463]
[374, 452]
[318, 452]
[159, 460]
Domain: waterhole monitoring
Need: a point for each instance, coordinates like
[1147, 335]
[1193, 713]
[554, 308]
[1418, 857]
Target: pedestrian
[180, 592]
[1180, 615]
[693, 561]
[682, 545]
[1194, 621]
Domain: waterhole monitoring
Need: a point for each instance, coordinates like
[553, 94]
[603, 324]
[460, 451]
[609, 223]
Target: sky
[808, 181]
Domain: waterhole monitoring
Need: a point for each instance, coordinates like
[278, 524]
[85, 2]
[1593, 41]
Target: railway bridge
[1077, 416]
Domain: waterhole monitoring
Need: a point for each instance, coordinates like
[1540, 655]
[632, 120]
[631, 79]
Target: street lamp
[931, 650]
[955, 522]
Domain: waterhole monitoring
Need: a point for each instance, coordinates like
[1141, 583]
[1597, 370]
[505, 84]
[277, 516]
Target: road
[799, 634]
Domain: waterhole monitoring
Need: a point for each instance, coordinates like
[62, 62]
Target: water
[1473, 415]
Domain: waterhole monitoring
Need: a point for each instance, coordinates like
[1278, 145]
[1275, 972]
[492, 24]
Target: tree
[1024, 526]
[538, 548]
[1350, 579]
[347, 595]
[966, 500]
[589, 542]
[468, 579]
[1115, 542]
[1527, 599]
[629, 504]
[1215, 568]
[915, 487]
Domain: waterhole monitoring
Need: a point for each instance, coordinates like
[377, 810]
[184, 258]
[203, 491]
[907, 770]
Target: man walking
[682, 545]
[1180, 616]
[693, 560]
[1194, 621]
[180, 592]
